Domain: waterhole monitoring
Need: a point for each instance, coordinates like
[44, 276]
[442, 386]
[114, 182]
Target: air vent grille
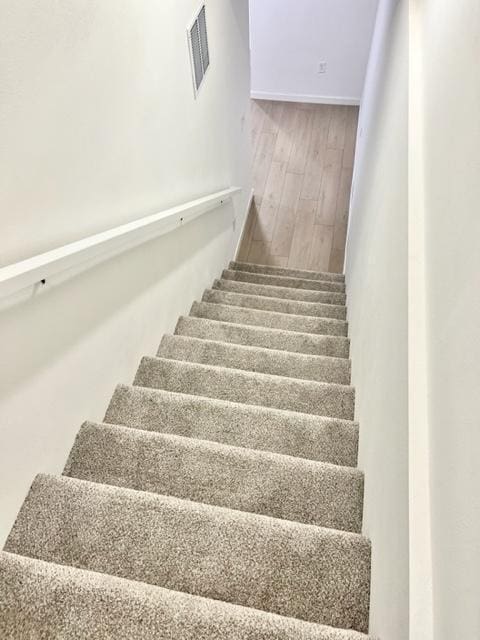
[199, 53]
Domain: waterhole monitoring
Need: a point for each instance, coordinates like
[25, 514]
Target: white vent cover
[198, 42]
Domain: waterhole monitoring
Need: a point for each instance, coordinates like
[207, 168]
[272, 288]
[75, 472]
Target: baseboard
[244, 225]
[292, 97]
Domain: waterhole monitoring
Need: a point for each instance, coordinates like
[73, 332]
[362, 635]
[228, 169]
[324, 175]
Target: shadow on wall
[239, 15]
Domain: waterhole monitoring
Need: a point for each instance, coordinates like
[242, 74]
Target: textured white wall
[376, 276]
[290, 37]
[449, 53]
[99, 126]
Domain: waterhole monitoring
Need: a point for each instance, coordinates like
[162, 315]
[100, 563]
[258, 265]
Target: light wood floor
[303, 159]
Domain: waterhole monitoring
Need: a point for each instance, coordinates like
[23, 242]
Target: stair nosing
[108, 488]
[208, 399]
[300, 302]
[213, 444]
[341, 276]
[222, 280]
[188, 363]
[279, 313]
[248, 347]
[266, 275]
[261, 327]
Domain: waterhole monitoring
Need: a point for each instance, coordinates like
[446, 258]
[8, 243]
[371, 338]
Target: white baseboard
[244, 224]
[292, 97]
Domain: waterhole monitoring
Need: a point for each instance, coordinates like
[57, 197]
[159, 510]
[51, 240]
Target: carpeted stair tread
[269, 319]
[241, 425]
[265, 337]
[305, 396]
[284, 293]
[303, 571]
[284, 271]
[284, 281]
[237, 478]
[220, 497]
[46, 600]
[296, 307]
[247, 358]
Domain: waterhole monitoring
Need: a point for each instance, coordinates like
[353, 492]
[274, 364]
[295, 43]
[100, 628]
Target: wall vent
[198, 43]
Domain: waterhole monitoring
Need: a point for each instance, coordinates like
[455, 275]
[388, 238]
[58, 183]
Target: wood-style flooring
[303, 160]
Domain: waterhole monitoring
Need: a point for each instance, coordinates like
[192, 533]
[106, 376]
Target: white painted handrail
[20, 275]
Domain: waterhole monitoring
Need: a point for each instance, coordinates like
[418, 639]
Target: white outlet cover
[322, 67]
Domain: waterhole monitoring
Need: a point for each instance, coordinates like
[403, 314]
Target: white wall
[450, 107]
[376, 277]
[99, 126]
[290, 37]
[443, 311]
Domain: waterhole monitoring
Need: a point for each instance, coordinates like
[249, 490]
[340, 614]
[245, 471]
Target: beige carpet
[220, 497]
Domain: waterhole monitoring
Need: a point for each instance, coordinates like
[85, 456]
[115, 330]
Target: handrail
[39, 268]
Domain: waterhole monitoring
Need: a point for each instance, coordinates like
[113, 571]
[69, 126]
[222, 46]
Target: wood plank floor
[303, 162]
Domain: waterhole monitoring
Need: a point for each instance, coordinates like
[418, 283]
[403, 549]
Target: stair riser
[279, 281]
[280, 363]
[284, 293]
[268, 484]
[295, 434]
[269, 319]
[311, 344]
[283, 567]
[282, 271]
[334, 401]
[275, 304]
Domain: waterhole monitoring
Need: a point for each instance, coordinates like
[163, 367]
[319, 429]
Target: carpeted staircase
[220, 497]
